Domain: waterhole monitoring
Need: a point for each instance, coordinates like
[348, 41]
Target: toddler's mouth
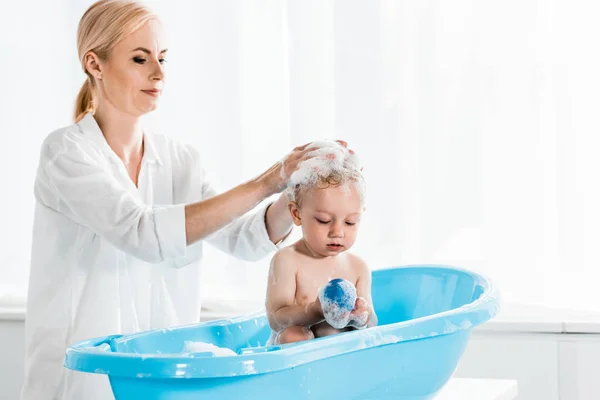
[335, 246]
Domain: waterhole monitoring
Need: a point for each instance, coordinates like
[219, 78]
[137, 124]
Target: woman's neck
[122, 132]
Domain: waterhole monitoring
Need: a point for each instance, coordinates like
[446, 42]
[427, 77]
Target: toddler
[326, 201]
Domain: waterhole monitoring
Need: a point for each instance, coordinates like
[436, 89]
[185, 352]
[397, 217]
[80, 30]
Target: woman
[121, 211]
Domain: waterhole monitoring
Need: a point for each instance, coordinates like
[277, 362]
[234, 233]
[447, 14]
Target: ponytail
[86, 100]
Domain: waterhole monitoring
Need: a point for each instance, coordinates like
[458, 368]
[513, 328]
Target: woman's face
[133, 76]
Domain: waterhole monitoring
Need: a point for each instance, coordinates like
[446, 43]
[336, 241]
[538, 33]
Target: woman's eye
[140, 60]
[321, 221]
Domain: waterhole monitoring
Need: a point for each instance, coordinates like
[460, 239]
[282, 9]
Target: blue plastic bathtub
[426, 314]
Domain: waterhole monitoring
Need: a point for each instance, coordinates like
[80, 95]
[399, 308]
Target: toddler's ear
[295, 213]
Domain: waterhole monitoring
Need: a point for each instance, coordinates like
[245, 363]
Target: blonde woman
[121, 213]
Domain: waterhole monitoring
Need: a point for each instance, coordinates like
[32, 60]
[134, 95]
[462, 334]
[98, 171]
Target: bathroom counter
[478, 389]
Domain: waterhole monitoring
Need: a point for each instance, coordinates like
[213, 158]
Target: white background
[476, 121]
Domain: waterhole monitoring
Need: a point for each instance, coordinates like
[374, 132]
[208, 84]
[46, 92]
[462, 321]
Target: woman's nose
[158, 74]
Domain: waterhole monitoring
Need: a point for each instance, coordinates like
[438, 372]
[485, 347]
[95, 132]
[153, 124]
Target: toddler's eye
[350, 223]
[321, 221]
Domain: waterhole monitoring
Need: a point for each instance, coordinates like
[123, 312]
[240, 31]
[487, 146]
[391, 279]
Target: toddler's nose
[336, 231]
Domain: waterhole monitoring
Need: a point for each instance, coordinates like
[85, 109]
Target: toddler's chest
[309, 281]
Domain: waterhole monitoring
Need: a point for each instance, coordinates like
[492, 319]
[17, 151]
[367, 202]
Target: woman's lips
[152, 92]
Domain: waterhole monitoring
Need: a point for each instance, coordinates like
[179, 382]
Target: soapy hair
[333, 165]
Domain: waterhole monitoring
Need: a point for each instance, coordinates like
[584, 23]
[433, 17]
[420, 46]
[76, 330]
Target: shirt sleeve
[78, 186]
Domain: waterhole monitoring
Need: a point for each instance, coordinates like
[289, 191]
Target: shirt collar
[90, 128]
[150, 152]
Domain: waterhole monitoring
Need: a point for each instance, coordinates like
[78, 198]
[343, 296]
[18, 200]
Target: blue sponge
[337, 299]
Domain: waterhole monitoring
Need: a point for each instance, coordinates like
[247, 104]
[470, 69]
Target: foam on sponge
[337, 299]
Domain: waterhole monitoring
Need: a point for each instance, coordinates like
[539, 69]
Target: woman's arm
[208, 216]
[278, 220]
[249, 237]
[73, 180]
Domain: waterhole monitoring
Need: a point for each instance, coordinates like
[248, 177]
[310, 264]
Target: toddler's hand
[360, 314]
[317, 308]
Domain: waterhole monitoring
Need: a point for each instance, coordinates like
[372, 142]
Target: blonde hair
[333, 178]
[104, 24]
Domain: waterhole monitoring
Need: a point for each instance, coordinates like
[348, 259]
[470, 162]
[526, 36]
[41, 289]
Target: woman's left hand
[279, 174]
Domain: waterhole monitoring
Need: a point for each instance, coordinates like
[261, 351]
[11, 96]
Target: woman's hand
[279, 174]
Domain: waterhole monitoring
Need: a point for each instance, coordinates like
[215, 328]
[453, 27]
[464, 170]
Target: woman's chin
[153, 105]
[147, 108]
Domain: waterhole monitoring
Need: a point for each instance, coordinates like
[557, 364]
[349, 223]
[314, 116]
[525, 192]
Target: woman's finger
[295, 165]
[296, 157]
[300, 148]
[302, 155]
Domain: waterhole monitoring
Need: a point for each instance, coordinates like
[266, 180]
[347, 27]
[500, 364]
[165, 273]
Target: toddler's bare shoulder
[284, 261]
[357, 263]
[285, 253]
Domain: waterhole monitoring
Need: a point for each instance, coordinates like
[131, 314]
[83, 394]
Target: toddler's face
[329, 218]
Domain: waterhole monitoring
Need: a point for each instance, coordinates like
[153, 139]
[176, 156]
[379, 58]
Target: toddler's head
[327, 196]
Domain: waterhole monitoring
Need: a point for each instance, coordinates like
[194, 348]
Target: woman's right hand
[279, 174]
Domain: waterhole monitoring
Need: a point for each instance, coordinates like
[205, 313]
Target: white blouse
[109, 257]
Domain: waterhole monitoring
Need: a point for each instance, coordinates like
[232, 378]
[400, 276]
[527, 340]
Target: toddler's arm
[282, 311]
[364, 302]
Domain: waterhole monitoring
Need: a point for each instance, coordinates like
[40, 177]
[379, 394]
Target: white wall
[547, 366]
[12, 335]
[554, 354]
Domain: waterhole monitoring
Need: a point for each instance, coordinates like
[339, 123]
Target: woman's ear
[295, 213]
[92, 65]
